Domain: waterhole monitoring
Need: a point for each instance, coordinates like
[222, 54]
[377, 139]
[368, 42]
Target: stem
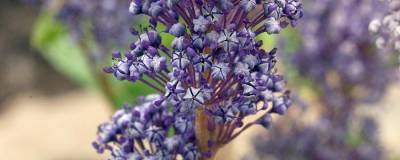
[151, 85]
[240, 132]
[203, 135]
[99, 76]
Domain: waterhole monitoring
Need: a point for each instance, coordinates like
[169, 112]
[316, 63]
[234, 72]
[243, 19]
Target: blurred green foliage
[54, 42]
[269, 41]
[57, 47]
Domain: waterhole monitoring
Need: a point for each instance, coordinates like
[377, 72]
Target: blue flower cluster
[212, 76]
[144, 131]
[388, 28]
[323, 140]
[346, 68]
[339, 55]
[106, 21]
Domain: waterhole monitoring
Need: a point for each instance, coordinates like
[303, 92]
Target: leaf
[57, 47]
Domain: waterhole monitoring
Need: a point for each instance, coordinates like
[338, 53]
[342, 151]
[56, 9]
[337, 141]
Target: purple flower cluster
[388, 28]
[339, 55]
[106, 21]
[142, 132]
[321, 141]
[212, 76]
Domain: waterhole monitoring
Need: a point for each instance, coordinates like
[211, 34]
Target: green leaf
[62, 52]
[56, 45]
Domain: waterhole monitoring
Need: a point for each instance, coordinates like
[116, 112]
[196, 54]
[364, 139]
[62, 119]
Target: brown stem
[202, 133]
[203, 136]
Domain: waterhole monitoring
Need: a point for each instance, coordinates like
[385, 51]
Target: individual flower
[212, 75]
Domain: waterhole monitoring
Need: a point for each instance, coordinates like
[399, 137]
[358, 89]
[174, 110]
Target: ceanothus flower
[212, 75]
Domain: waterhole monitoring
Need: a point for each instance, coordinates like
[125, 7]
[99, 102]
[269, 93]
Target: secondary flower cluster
[339, 54]
[388, 28]
[321, 141]
[212, 76]
[340, 57]
[145, 131]
[106, 21]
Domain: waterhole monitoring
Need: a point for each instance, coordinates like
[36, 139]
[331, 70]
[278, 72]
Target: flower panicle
[345, 72]
[105, 21]
[213, 74]
[144, 131]
[322, 140]
[342, 64]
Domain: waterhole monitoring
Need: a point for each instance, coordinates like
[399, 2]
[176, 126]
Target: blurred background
[53, 93]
